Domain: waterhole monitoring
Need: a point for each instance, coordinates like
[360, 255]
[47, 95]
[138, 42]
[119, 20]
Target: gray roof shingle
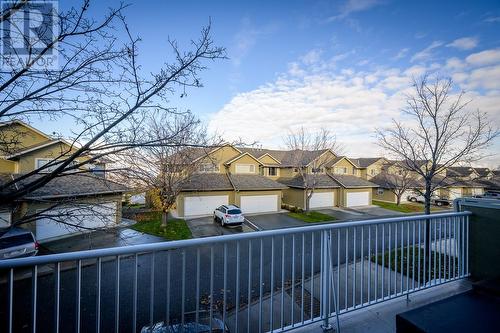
[254, 182]
[321, 180]
[207, 182]
[71, 185]
[349, 181]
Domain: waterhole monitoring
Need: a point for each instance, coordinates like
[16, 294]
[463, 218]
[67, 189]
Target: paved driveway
[206, 227]
[98, 240]
[275, 221]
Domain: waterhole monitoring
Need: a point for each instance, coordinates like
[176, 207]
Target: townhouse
[450, 183]
[68, 204]
[261, 180]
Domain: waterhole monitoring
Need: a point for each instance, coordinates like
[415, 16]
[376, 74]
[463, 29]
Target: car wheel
[439, 203]
[222, 222]
[413, 199]
[215, 218]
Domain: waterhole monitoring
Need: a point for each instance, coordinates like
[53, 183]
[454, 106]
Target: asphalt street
[166, 283]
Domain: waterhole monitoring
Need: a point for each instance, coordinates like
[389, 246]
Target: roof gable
[240, 156]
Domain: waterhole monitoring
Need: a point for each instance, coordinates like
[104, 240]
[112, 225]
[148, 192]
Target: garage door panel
[259, 203]
[358, 199]
[67, 220]
[203, 205]
[321, 199]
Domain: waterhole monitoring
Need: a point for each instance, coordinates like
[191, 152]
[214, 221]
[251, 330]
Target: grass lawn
[405, 207]
[447, 263]
[150, 223]
[312, 217]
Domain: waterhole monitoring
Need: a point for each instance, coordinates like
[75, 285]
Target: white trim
[48, 144]
[25, 125]
[240, 156]
[267, 154]
[215, 149]
[326, 151]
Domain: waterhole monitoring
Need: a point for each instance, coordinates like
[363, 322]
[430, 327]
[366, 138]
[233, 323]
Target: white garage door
[477, 191]
[323, 199]
[259, 203]
[204, 205]
[67, 220]
[455, 193]
[358, 199]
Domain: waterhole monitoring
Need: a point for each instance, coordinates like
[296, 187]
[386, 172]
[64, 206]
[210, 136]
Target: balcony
[300, 279]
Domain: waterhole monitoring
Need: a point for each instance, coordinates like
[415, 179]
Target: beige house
[69, 204]
[260, 180]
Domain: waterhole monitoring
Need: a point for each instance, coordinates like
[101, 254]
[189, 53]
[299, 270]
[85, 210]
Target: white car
[229, 215]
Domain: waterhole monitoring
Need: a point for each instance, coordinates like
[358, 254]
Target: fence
[273, 280]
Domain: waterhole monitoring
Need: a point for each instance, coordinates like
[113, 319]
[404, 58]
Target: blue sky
[337, 64]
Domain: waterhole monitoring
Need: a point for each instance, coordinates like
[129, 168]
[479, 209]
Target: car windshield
[234, 211]
[6, 242]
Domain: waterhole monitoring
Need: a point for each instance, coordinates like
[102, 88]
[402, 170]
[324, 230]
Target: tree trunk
[308, 199]
[164, 218]
[427, 210]
[398, 199]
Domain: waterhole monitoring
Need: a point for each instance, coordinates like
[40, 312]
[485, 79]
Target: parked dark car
[17, 242]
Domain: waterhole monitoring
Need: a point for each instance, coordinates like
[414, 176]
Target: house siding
[27, 161]
[245, 160]
[387, 196]
[294, 197]
[220, 156]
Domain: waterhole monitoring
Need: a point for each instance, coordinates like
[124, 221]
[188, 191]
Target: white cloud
[351, 102]
[465, 43]
[426, 53]
[401, 54]
[311, 57]
[353, 6]
[492, 19]
[484, 58]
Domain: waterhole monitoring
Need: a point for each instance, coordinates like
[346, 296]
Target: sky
[342, 65]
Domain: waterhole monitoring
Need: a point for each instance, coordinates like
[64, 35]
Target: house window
[208, 167]
[273, 171]
[380, 191]
[341, 170]
[40, 162]
[372, 172]
[245, 168]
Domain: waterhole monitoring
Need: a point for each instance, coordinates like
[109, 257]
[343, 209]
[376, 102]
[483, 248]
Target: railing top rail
[171, 245]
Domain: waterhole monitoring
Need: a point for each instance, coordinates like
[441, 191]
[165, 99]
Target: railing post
[325, 276]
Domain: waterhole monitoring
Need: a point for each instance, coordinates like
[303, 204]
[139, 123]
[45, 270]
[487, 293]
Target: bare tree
[99, 85]
[164, 167]
[437, 131]
[306, 149]
[398, 181]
